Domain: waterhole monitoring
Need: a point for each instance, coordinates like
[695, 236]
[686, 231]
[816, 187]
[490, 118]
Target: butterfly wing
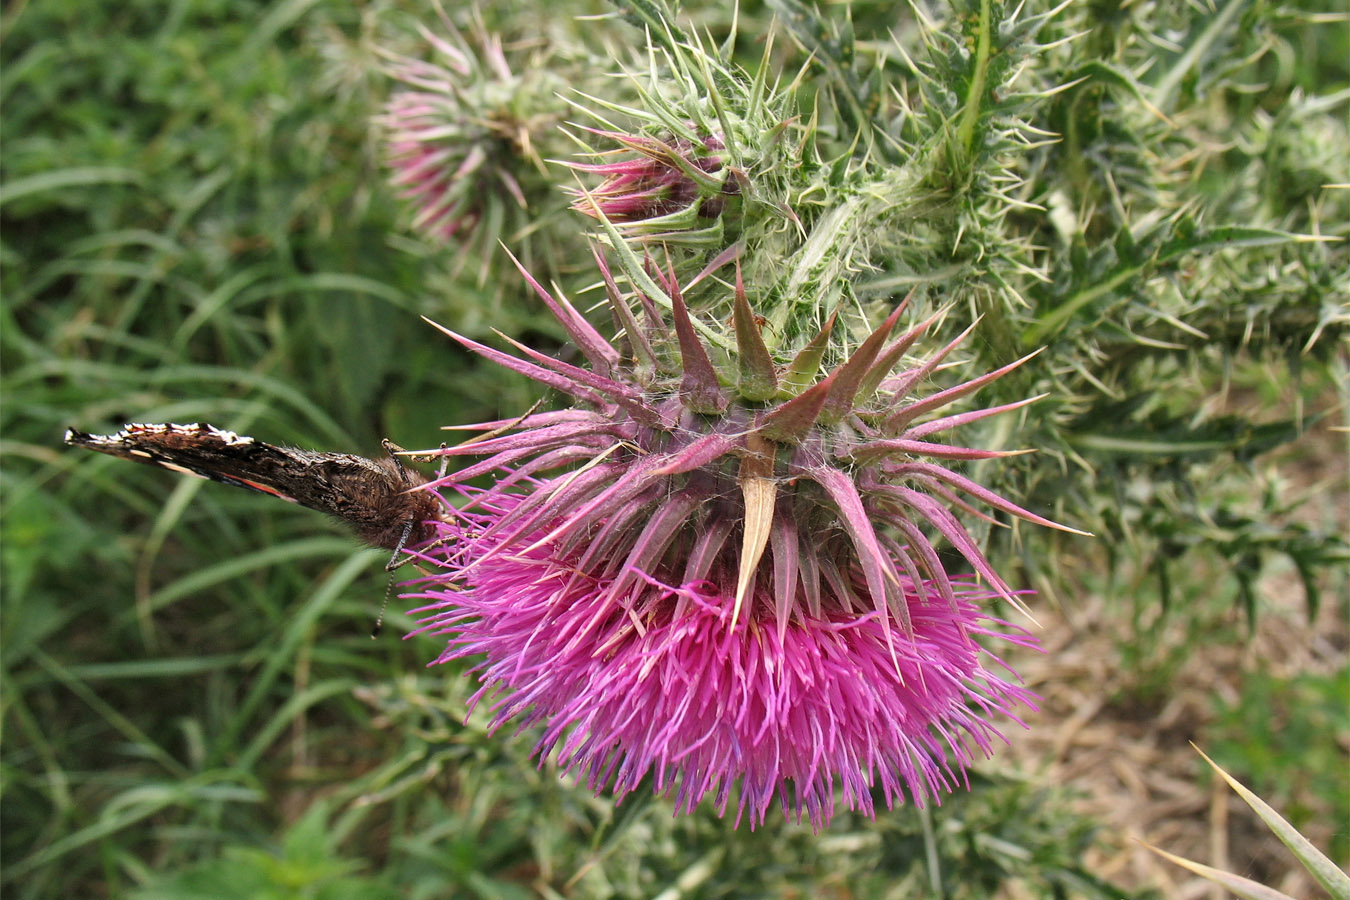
[204, 452]
[371, 496]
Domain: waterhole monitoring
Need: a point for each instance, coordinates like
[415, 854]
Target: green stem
[965, 133]
[932, 861]
[838, 243]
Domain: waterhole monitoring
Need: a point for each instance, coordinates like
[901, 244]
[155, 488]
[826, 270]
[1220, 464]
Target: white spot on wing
[177, 468]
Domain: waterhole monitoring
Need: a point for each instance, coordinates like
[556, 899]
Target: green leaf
[82, 177]
[656, 18]
[1232, 237]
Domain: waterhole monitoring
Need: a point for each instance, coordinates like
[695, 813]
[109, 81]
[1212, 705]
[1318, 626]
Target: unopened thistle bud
[663, 188]
[463, 134]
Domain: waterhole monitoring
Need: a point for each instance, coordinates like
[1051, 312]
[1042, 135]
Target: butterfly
[375, 497]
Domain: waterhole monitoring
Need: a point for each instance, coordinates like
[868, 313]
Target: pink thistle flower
[661, 686]
[727, 579]
[462, 131]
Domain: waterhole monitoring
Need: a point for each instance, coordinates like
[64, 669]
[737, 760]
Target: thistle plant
[728, 581]
[720, 566]
[748, 499]
[663, 191]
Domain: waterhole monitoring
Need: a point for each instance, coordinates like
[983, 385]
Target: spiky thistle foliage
[764, 467]
[1082, 196]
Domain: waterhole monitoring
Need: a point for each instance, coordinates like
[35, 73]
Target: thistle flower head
[817, 712]
[704, 142]
[462, 135]
[667, 573]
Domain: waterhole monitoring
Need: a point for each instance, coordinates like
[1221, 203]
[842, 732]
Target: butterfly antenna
[379, 620]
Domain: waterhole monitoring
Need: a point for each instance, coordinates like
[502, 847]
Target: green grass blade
[80, 176]
[282, 655]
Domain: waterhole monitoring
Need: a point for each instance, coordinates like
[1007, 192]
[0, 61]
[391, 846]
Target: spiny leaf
[698, 387]
[849, 376]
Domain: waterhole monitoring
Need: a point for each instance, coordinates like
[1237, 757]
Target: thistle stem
[840, 241]
[965, 132]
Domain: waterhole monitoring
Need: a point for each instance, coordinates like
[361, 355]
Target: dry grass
[1123, 741]
[1133, 763]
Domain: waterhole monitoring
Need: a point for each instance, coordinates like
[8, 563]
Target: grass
[195, 229]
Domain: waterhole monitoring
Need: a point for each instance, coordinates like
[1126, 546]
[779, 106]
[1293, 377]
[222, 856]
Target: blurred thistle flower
[670, 188]
[720, 576]
[462, 136]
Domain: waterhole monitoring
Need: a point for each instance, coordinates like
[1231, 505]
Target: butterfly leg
[393, 450]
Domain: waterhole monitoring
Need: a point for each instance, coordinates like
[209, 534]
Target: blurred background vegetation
[196, 228]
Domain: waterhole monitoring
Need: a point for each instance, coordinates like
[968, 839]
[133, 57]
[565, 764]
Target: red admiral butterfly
[373, 496]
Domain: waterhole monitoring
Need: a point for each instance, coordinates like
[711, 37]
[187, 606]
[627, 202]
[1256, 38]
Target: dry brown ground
[1135, 768]
[1131, 761]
